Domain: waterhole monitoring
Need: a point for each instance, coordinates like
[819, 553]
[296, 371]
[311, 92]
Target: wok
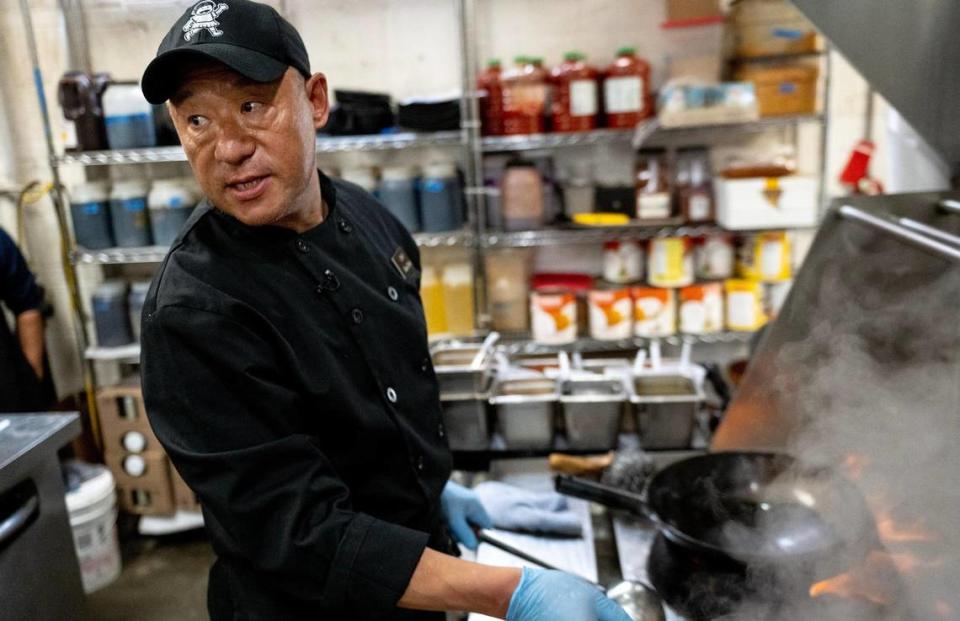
[754, 508]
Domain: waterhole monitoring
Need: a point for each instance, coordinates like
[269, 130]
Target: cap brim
[162, 76]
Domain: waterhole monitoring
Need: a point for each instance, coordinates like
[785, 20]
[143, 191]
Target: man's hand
[555, 596]
[463, 510]
[30, 335]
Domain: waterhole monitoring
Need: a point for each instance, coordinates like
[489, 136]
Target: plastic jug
[128, 213]
[170, 202]
[398, 191]
[441, 198]
[128, 117]
[90, 212]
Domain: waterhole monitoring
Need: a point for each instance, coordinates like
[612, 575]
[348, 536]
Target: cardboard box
[766, 203]
[122, 406]
[144, 485]
[771, 28]
[687, 10]
[183, 496]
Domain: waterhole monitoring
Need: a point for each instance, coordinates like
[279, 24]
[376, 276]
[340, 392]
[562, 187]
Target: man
[285, 362]
[22, 372]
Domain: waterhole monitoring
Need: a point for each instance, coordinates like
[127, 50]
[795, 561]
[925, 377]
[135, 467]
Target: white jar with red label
[611, 313]
[553, 316]
[623, 261]
[714, 257]
[670, 262]
[654, 311]
[701, 308]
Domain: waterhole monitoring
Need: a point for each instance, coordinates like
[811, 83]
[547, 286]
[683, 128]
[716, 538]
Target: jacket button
[331, 282]
[357, 315]
[344, 225]
[302, 246]
[391, 395]
[425, 364]
[420, 464]
[392, 292]
[440, 431]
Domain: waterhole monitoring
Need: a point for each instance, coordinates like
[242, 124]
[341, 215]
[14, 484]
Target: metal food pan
[665, 407]
[466, 422]
[455, 375]
[525, 409]
[592, 410]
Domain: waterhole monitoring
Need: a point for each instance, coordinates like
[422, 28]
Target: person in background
[22, 369]
[285, 362]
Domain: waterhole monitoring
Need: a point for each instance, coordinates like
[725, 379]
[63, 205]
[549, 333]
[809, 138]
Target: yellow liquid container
[458, 298]
[431, 293]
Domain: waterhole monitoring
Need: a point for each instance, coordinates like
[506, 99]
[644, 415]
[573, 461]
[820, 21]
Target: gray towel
[513, 508]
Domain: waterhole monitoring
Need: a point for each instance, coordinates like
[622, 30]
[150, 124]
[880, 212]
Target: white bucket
[93, 519]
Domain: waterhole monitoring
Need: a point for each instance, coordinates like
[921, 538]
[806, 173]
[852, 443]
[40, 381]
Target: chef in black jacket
[285, 364]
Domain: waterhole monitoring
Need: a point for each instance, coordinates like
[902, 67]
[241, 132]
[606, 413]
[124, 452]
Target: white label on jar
[583, 98]
[653, 206]
[699, 208]
[69, 134]
[771, 260]
[624, 94]
[693, 316]
[741, 310]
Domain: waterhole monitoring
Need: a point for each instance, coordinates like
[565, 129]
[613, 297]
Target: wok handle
[606, 495]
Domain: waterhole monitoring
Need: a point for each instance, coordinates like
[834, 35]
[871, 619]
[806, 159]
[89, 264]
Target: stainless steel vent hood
[909, 51]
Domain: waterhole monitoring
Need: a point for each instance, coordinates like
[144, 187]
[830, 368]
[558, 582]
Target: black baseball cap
[249, 37]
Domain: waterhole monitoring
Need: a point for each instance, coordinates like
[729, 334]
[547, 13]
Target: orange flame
[893, 532]
[854, 464]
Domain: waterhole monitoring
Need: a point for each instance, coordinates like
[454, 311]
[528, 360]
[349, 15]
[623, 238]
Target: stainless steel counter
[39, 573]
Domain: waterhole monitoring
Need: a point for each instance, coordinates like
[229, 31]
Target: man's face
[250, 144]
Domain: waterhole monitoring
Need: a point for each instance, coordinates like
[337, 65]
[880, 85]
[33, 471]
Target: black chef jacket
[20, 390]
[288, 377]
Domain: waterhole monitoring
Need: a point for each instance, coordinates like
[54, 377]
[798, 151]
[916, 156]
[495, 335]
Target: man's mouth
[248, 188]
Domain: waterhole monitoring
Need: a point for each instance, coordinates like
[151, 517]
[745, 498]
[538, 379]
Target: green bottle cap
[521, 60]
[574, 55]
[493, 62]
[626, 51]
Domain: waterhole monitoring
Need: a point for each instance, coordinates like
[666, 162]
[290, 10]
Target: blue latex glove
[544, 595]
[514, 508]
[463, 510]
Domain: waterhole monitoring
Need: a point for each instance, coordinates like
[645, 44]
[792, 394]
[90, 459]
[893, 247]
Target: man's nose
[235, 144]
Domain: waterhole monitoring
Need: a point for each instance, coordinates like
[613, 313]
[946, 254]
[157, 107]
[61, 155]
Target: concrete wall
[402, 47]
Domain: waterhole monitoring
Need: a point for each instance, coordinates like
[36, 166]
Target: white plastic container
[777, 202]
[128, 117]
[93, 520]
[170, 202]
[363, 176]
[129, 215]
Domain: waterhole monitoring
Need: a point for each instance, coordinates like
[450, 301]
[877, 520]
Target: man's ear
[316, 89]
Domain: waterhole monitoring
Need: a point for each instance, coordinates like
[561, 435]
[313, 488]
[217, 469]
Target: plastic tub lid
[140, 287]
[131, 188]
[111, 289]
[397, 173]
[574, 282]
[92, 491]
[440, 170]
[90, 192]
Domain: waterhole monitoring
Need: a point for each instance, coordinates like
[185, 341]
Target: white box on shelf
[766, 203]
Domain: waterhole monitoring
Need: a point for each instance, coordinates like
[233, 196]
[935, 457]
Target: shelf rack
[325, 144]
[509, 344]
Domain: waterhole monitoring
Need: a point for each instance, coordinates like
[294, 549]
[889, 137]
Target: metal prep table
[39, 573]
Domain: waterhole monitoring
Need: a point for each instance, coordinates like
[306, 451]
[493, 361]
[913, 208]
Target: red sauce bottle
[574, 105]
[626, 90]
[491, 105]
[524, 97]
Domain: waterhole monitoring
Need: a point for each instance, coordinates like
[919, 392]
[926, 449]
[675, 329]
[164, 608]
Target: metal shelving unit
[649, 131]
[522, 344]
[155, 254]
[325, 144]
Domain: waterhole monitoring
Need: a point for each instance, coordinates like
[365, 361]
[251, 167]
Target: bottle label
[69, 135]
[699, 208]
[624, 94]
[583, 98]
[653, 206]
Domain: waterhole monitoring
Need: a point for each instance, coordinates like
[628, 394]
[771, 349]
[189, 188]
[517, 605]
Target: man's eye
[196, 120]
[251, 106]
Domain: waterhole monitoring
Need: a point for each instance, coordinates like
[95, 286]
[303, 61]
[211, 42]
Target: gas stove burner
[707, 588]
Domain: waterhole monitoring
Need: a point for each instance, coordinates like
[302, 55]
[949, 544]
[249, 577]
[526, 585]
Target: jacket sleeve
[218, 402]
[18, 289]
